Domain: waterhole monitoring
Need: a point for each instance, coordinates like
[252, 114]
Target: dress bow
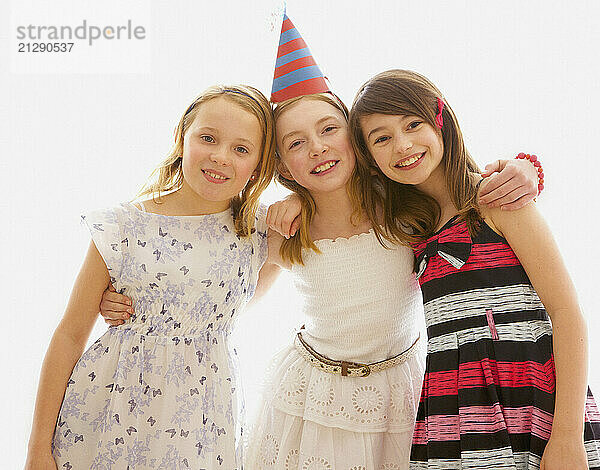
[455, 253]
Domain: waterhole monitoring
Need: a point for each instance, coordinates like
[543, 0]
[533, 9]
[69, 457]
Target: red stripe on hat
[287, 25]
[291, 46]
[307, 87]
[294, 65]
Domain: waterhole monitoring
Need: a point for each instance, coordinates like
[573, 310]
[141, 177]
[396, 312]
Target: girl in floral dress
[160, 390]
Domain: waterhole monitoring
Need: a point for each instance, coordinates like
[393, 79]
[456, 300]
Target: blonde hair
[409, 215]
[291, 249]
[169, 174]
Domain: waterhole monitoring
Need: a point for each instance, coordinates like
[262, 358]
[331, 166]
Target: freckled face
[314, 144]
[221, 149]
[406, 148]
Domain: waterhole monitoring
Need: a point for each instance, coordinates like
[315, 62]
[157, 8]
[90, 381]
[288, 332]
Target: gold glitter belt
[349, 369]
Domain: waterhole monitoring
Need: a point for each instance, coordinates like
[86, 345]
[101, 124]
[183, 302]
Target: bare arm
[532, 242]
[284, 216]
[266, 277]
[66, 347]
[272, 268]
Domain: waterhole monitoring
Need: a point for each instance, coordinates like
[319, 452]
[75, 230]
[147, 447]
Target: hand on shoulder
[509, 183]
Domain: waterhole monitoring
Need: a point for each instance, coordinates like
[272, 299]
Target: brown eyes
[413, 125]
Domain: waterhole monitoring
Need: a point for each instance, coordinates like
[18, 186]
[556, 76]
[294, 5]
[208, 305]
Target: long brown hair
[169, 174]
[291, 249]
[409, 215]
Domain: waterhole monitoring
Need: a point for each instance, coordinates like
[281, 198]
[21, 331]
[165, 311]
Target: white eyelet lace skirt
[310, 419]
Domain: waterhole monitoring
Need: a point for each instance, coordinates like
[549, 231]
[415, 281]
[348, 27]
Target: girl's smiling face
[407, 149]
[221, 149]
[314, 145]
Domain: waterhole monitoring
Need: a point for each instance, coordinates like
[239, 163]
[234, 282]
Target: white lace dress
[362, 304]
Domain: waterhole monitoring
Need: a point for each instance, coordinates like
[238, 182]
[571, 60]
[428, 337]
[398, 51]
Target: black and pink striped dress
[489, 386]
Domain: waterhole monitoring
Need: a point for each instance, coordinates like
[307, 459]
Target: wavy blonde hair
[409, 215]
[291, 249]
[168, 176]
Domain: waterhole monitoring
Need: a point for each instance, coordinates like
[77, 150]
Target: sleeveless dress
[161, 390]
[489, 387]
[362, 304]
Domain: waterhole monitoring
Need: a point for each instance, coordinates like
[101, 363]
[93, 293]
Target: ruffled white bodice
[361, 301]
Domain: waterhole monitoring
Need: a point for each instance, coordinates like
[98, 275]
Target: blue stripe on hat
[289, 35]
[286, 59]
[305, 73]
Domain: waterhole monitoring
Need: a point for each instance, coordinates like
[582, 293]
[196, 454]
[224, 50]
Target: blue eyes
[210, 139]
[381, 139]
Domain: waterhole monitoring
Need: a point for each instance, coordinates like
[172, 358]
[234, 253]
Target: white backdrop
[522, 76]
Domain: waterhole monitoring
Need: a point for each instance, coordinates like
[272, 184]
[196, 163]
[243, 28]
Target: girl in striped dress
[506, 372]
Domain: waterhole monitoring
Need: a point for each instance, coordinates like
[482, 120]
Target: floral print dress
[161, 391]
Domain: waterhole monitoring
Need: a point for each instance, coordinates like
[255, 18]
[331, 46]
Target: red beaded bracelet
[536, 163]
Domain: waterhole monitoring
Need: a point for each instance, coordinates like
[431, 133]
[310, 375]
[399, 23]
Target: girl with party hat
[344, 394]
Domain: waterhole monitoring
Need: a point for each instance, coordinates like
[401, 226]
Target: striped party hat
[296, 72]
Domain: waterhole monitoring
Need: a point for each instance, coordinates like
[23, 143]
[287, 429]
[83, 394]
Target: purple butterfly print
[185, 276]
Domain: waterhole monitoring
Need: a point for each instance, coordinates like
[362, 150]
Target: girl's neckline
[448, 223]
[342, 240]
[214, 214]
